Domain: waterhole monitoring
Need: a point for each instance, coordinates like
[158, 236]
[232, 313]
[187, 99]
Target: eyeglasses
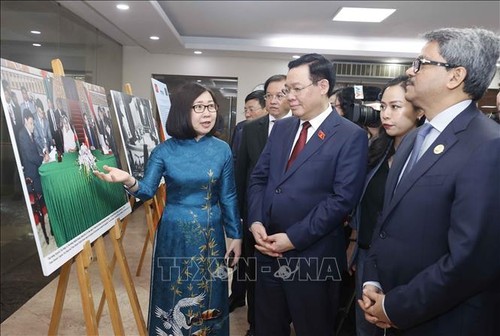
[418, 62]
[200, 108]
[296, 90]
[280, 96]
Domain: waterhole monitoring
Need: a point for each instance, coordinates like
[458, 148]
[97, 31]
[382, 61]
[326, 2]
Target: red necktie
[299, 145]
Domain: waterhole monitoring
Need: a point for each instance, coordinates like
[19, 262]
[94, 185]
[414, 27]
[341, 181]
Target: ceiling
[280, 29]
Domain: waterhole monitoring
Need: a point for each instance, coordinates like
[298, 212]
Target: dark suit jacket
[19, 122]
[54, 118]
[236, 139]
[253, 140]
[91, 135]
[436, 251]
[311, 199]
[43, 136]
[30, 158]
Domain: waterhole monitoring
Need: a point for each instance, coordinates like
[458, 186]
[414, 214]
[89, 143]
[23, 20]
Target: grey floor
[27, 297]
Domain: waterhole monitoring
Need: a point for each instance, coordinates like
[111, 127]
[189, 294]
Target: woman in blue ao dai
[188, 275]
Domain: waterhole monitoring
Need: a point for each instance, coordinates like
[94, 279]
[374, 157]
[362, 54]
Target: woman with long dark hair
[398, 117]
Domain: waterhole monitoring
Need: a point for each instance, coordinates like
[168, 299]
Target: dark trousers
[244, 277]
[310, 304]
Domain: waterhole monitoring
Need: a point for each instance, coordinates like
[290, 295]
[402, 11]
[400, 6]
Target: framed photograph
[138, 129]
[57, 143]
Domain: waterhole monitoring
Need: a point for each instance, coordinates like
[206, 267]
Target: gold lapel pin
[438, 149]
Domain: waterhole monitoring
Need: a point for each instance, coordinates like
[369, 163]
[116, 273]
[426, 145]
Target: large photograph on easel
[60, 133]
[138, 129]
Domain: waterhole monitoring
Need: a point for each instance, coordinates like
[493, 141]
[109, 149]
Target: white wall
[139, 65]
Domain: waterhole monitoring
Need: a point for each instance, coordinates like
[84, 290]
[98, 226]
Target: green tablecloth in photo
[75, 202]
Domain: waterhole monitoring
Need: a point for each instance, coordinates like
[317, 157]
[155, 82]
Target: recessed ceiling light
[295, 56]
[198, 80]
[122, 6]
[37, 45]
[154, 38]
[363, 14]
[36, 32]
[197, 52]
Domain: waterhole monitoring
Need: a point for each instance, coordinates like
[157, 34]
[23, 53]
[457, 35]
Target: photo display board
[138, 130]
[163, 103]
[60, 131]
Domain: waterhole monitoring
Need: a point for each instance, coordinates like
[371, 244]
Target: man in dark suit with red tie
[298, 201]
[253, 139]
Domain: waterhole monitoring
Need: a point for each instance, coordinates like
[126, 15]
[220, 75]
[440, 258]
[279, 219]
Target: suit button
[278, 191]
[382, 234]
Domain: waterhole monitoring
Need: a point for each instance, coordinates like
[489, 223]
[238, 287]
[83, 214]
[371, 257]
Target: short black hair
[179, 124]
[258, 95]
[38, 103]
[27, 114]
[319, 68]
[273, 78]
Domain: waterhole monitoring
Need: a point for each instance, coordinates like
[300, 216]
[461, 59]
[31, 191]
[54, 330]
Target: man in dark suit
[254, 108]
[297, 204]
[89, 132]
[31, 155]
[43, 135]
[434, 265]
[60, 110]
[55, 123]
[13, 109]
[28, 102]
[254, 138]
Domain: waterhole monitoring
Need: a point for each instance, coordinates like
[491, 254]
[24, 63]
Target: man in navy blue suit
[297, 203]
[434, 263]
[31, 155]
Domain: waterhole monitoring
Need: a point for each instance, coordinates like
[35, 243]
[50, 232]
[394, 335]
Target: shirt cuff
[373, 283]
[256, 222]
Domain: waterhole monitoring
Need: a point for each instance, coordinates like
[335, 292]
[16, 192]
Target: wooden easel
[154, 209]
[83, 260]
[112, 264]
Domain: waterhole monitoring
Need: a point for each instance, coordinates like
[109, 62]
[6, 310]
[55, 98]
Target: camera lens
[364, 115]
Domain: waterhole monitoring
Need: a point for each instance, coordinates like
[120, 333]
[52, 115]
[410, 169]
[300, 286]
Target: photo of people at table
[50, 133]
[138, 129]
[24, 106]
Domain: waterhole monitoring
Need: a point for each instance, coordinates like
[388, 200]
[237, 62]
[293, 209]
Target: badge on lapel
[438, 149]
[321, 135]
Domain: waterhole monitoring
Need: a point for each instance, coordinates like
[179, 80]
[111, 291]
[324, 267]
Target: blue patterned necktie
[419, 140]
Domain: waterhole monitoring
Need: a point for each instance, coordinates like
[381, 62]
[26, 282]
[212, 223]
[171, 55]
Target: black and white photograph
[138, 129]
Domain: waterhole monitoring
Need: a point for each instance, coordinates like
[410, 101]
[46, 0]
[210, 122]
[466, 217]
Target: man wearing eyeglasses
[307, 179]
[254, 138]
[434, 263]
